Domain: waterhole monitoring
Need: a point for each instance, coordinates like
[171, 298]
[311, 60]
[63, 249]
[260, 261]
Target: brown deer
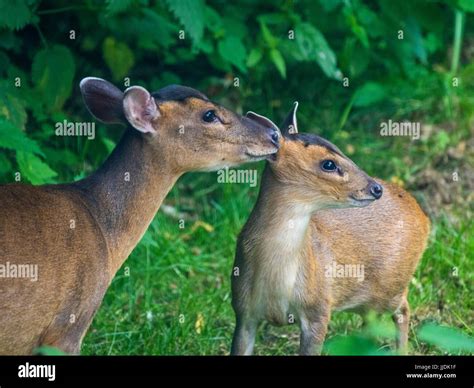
[323, 238]
[79, 234]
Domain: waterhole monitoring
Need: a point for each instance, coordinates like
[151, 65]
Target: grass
[176, 297]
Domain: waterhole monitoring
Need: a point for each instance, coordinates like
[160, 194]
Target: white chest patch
[276, 281]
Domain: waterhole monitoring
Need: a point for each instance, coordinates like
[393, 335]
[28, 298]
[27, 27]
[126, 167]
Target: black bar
[357, 369]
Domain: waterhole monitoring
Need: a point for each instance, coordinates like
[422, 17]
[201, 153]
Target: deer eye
[328, 165]
[209, 116]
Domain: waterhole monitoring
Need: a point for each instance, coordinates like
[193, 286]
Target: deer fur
[79, 234]
[304, 221]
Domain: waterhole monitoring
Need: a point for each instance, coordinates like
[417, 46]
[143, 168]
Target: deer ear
[140, 109]
[262, 120]
[290, 124]
[103, 100]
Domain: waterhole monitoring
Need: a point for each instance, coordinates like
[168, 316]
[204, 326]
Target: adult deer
[79, 234]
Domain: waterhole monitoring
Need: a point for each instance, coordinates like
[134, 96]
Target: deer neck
[283, 222]
[125, 193]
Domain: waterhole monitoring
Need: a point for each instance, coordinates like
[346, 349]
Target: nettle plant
[356, 53]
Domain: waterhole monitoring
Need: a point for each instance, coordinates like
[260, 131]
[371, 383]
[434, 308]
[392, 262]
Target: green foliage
[354, 345]
[313, 47]
[281, 52]
[118, 57]
[446, 338]
[34, 169]
[117, 6]
[466, 5]
[52, 73]
[11, 137]
[190, 13]
[15, 14]
[49, 351]
[369, 94]
[12, 109]
[231, 49]
[279, 62]
[365, 342]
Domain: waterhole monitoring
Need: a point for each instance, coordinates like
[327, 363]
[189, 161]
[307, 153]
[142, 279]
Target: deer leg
[401, 318]
[244, 337]
[66, 332]
[69, 341]
[313, 333]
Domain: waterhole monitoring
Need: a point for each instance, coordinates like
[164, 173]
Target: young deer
[316, 212]
[79, 234]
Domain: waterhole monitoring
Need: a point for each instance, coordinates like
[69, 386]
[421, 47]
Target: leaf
[231, 49]
[117, 6]
[201, 224]
[148, 239]
[330, 5]
[373, 25]
[14, 139]
[13, 110]
[466, 5]
[109, 144]
[53, 72]
[46, 350]
[213, 19]
[354, 58]
[442, 140]
[61, 157]
[378, 329]
[268, 37]
[34, 169]
[9, 41]
[150, 29]
[312, 46]
[447, 338]
[254, 57]
[199, 324]
[273, 18]
[5, 165]
[358, 30]
[278, 61]
[205, 45]
[14, 14]
[190, 14]
[369, 94]
[234, 27]
[118, 57]
[4, 62]
[351, 345]
[415, 37]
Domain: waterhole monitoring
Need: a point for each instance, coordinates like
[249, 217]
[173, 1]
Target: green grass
[176, 299]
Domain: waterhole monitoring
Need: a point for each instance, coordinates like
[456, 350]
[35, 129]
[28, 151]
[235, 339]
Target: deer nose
[376, 190]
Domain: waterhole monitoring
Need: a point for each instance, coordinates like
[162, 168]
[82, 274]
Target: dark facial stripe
[310, 139]
[177, 93]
